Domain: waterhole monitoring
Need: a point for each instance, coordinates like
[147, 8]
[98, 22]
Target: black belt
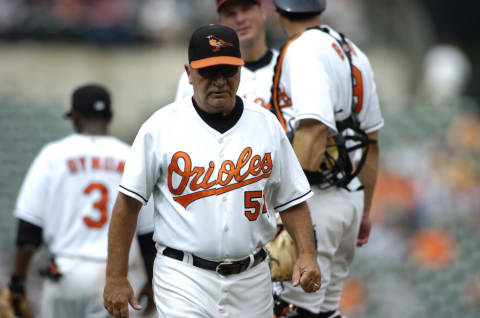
[223, 268]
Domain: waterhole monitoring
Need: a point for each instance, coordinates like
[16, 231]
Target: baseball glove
[14, 304]
[6, 308]
[281, 255]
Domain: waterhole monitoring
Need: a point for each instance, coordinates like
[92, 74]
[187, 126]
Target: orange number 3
[252, 202]
[100, 205]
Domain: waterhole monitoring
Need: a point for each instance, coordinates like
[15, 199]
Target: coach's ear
[188, 69]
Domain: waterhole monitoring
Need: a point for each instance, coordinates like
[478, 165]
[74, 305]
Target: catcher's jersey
[69, 192]
[255, 85]
[313, 80]
[215, 193]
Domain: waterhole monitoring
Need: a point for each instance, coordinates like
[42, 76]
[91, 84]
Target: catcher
[324, 95]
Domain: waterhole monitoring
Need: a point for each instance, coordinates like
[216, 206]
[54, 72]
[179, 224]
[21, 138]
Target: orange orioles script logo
[197, 179]
[217, 43]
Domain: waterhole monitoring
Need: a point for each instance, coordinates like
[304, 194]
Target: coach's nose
[219, 80]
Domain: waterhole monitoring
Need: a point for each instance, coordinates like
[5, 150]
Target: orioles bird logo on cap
[217, 43]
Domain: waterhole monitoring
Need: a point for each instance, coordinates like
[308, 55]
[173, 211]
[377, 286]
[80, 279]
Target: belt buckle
[220, 269]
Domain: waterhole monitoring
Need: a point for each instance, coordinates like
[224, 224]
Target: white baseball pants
[183, 290]
[336, 216]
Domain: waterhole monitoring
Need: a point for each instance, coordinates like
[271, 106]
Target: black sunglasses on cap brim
[213, 72]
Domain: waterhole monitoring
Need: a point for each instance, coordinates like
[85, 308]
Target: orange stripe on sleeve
[276, 81]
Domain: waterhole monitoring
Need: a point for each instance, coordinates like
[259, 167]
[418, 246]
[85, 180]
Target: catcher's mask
[337, 168]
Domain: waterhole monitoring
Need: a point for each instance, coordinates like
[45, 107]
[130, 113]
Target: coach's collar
[220, 122]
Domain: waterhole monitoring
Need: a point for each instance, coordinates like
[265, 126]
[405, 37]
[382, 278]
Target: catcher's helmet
[301, 6]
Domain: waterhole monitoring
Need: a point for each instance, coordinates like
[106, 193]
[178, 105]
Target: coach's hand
[306, 273]
[117, 295]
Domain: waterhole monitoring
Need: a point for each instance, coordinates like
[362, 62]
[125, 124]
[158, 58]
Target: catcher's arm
[368, 178]
[309, 143]
[298, 224]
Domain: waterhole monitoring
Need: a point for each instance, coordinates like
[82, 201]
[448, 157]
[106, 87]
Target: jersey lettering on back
[357, 79]
[338, 50]
[82, 164]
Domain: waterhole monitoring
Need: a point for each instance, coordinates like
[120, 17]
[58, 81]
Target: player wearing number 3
[218, 167]
[66, 201]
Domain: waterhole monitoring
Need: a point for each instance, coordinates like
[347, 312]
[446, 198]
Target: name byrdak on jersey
[82, 163]
[198, 180]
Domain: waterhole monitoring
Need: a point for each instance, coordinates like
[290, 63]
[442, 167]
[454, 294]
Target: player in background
[216, 185]
[247, 18]
[65, 202]
[325, 96]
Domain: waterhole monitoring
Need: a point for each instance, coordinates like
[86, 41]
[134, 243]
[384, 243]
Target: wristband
[17, 284]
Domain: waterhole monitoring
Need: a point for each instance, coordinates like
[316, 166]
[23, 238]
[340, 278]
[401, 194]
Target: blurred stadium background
[424, 254]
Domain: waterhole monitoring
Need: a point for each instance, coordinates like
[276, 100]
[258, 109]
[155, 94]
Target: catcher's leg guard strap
[303, 313]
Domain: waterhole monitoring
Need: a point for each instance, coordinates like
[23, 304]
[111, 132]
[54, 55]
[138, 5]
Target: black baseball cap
[214, 44]
[90, 99]
[220, 3]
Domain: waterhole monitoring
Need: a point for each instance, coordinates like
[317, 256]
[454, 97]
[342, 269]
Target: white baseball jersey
[324, 92]
[69, 192]
[215, 193]
[313, 80]
[255, 83]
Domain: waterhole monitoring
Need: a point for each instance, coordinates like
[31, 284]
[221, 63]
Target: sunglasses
[212, 72]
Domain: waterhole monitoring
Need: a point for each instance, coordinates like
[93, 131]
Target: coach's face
[215, 87]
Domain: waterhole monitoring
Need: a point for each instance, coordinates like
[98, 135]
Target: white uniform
[255, 84]
[69, 192]
[314, 81]
[215, 197]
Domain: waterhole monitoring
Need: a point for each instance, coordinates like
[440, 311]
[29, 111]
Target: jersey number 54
[253, 201]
